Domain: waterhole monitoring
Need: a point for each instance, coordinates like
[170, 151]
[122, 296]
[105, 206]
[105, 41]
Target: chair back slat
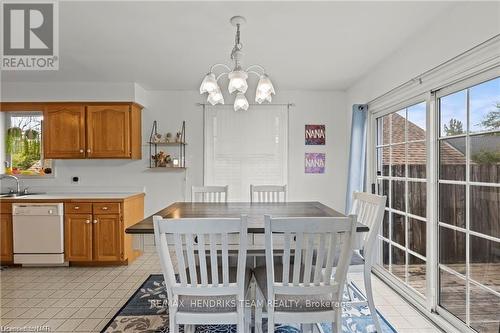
[315, 239]
[193, 275]
[180, 259]
[213, 259]
[309, 240]
[286, 258]
[370, 211]
[203, 260]
[191, 249]
[320, 259]
[299, 241]
[208, 194]
[332, 246]
[268, 193]
[225, 260]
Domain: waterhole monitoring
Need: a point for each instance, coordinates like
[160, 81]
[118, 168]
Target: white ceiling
[170, 45]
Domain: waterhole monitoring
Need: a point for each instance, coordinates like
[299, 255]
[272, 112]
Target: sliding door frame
[373, 179]
[430, 304]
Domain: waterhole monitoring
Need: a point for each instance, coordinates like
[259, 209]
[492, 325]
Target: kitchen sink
[17, 195]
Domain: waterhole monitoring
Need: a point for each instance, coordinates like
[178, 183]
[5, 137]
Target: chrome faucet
[18, 184]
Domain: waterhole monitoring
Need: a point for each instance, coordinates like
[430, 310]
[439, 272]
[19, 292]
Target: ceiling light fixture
[237, 77]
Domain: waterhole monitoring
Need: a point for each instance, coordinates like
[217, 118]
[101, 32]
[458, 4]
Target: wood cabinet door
[78, 237]
[108, 131]
[64, 131]
[108, 237]
[6, 251]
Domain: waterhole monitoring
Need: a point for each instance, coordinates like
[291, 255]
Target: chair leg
[369, 297]
[270, 322]
[338, 320]
[173, 328]
[306, 328]
[241, 322]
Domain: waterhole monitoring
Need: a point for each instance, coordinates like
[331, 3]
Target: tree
[492, 120]
[454, 127]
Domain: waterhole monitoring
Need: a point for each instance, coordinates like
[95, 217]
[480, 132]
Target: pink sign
[315, 163]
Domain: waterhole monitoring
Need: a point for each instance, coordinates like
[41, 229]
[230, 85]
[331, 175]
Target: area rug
[140, 315]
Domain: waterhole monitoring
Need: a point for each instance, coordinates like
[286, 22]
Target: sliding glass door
[461, 230]
[469, 205]
[402, 177]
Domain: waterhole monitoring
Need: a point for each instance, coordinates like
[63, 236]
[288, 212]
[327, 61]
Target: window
[469, 205]
[23, 145]
[402, 177]
[239, 155]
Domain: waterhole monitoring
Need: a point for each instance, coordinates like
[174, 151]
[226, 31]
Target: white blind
[245, 147]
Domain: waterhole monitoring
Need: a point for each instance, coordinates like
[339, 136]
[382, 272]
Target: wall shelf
[181, 146]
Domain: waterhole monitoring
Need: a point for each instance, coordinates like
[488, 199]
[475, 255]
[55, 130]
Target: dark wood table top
[254, 211]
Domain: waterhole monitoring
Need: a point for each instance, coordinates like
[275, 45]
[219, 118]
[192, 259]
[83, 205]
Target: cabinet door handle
[81, 151]
[95, 221]
[76, 207]
[88, 150]
[104, 208]
[87, 222]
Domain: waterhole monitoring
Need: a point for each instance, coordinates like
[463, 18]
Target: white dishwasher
[38, 230]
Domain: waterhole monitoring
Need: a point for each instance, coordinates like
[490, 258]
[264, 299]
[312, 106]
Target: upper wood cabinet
[108, 131]
[73, 130]
[64, 131]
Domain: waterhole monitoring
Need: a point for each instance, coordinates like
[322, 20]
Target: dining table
[255, 213]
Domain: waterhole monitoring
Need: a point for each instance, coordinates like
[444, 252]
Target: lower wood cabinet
[94, 230]
[6, 250]
[78, 237]
[94, 237]
[108, 243]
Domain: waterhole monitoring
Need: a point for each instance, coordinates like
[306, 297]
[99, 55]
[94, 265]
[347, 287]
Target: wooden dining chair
[202, 288]
[267, 193]
[209, 193]
[369, 209]
[305, 293]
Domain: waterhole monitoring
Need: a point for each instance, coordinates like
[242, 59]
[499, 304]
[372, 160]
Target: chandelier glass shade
[237, 77]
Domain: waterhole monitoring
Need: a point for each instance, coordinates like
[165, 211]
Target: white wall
[169, 108]
[466, 25]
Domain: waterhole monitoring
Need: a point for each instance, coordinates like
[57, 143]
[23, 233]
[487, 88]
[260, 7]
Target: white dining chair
[202, 288]
[267, 193]
[209, 193]
[369, 208]
[304, 293]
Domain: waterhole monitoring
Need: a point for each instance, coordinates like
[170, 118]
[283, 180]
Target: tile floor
[83, 299]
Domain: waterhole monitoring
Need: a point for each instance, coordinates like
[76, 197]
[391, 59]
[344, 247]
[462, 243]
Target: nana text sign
[315, 134]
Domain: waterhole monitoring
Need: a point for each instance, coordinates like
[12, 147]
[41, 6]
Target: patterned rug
[143, 314]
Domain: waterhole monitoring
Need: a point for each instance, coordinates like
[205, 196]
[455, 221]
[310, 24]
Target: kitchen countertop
[74, 196]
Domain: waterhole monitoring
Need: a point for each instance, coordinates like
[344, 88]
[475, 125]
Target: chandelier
[237, 77]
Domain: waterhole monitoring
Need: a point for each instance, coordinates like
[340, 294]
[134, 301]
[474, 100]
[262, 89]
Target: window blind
[247, 147]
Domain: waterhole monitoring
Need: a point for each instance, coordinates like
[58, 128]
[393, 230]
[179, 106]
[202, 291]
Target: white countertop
[84, 195]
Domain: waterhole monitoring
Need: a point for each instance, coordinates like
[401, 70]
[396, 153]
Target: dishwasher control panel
[37, 209]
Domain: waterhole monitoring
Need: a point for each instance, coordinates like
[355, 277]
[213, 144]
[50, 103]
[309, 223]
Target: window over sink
[23, 145]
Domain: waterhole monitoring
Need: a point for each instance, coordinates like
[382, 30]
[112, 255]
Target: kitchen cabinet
[95, 231]
[78, 237]
[107, 240]
[108, 131]
[64, 131]
[6, 251]
[78, 130]
[94, 228]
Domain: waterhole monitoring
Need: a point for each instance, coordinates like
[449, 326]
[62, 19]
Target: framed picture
[315, 162]
[315, 134]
